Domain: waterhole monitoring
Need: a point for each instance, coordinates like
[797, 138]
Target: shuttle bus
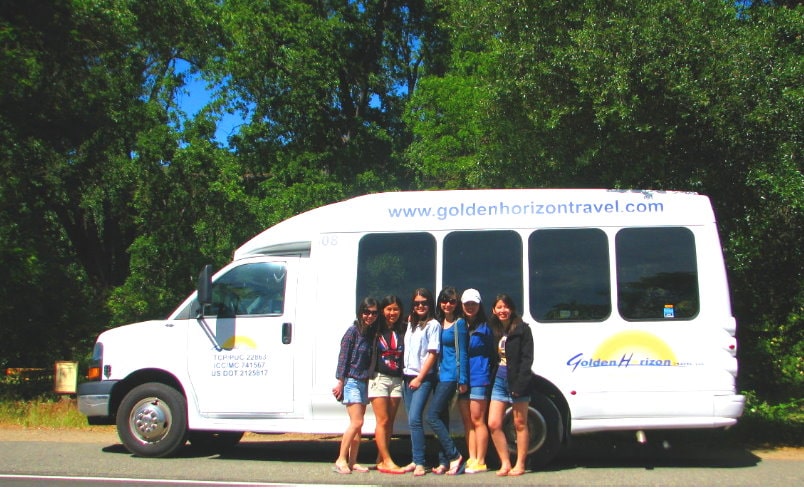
[625, 292]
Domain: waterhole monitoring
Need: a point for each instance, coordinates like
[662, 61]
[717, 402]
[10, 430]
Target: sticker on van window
[669, 311]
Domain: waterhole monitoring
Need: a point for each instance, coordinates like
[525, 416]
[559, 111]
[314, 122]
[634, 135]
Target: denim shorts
[501, 393]
[476, 393]
[355, 391]
[384, 385]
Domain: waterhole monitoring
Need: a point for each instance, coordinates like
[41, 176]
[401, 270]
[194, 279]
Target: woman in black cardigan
[515, 349]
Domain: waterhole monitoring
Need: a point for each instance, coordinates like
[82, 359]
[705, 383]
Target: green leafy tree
[667, 94]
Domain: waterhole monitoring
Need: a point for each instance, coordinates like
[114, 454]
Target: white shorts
[382, 385]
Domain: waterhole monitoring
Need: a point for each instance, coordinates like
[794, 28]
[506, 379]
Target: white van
[625, 292]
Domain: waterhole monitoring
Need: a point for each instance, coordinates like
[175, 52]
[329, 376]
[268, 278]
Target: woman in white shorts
[385, 383]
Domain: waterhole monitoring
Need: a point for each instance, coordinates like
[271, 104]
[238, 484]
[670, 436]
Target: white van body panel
[613, 374]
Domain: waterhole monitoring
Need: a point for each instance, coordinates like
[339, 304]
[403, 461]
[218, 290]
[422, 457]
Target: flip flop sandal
[456, 467]
[359, 469]
[342, 469]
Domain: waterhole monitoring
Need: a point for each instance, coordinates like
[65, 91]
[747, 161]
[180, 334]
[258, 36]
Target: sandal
[409, 467]
[440, 470]
[456, 466]
[419, 471]
[516, 472]
[341, 469]
[359, 468]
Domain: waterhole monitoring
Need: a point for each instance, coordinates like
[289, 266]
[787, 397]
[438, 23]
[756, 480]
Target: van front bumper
[93, 399]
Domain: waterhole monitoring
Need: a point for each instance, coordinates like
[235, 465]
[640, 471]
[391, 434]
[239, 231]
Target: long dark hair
[415, 320]
[497, 325]
[448, 293]
[365, 305]
[387, 301]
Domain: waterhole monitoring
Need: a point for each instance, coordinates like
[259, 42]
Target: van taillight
[95, 365]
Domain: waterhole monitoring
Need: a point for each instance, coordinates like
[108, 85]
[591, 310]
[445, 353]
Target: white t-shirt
[418, 342]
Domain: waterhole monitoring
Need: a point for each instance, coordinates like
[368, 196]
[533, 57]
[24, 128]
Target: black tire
[214, 441]
[545, 431]
[152, 420]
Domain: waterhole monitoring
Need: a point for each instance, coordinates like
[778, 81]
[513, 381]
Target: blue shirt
[481, 353]
[449, 363]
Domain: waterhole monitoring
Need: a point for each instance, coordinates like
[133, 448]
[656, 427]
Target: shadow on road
[609, 450]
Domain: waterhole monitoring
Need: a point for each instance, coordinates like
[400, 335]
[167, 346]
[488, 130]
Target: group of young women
[442, 349]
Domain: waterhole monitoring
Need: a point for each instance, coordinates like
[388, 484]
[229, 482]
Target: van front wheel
[152, 420]
[545, 431]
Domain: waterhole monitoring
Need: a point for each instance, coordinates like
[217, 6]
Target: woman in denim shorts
[385, 383]
[473, 404]
[352, 388]
[515, 350]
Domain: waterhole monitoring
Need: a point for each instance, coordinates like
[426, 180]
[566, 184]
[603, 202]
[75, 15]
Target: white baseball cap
[470, 295]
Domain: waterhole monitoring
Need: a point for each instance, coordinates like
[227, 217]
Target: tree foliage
[112, 196]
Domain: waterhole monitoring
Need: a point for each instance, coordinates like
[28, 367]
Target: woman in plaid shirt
[352, 388]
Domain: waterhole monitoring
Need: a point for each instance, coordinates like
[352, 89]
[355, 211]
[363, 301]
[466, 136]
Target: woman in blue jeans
[453, 372]
[422, 340]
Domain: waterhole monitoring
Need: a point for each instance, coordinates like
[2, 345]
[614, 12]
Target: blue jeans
[438, 420]
[415, 400]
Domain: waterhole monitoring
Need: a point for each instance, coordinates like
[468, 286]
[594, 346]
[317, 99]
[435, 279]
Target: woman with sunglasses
[385, 384]
[422, 342]
[352, 373]
[453, 374]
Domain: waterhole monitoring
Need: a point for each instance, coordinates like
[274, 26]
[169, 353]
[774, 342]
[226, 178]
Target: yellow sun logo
[639, 343]
[239, 342]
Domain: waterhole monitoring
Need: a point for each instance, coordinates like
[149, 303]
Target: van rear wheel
[545, 431]
[152, 420]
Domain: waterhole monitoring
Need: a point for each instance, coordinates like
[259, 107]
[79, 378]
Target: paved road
[271, 460]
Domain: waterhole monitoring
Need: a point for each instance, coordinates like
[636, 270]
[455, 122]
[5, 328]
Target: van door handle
[287, 333]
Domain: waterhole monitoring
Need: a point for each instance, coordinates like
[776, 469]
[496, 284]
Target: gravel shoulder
[108, 435]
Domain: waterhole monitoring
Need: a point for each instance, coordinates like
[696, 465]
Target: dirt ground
[107, 434]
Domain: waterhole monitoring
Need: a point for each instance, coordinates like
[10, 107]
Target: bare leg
[350, 443]
[468, 428]
[520, 412]
[496, 413]
[382, 435]
[478, 413]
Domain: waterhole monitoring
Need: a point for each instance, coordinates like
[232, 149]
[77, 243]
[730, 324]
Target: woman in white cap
[473, 404]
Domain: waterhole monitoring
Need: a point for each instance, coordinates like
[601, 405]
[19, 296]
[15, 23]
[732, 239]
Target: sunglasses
[450, 301]
[419, 303]
[371, 313]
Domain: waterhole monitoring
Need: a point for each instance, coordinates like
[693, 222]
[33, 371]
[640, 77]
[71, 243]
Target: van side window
[569, 275]
[657, 274]
[489, 261]
[395, 263]
[254, 289]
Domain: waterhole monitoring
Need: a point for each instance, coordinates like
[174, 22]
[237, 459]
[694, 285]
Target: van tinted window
[249, 290]
[489, 261]
[657, 275]
[569, 275]
[395, 263]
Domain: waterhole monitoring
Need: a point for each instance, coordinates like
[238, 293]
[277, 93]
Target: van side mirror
[205, 286]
